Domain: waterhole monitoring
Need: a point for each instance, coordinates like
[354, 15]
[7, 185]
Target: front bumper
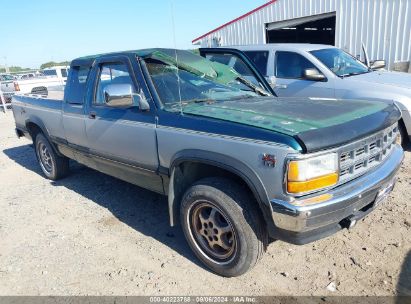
[343, 205]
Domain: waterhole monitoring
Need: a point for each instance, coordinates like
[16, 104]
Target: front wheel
[403, 139]
[52, 165]
[223, 226]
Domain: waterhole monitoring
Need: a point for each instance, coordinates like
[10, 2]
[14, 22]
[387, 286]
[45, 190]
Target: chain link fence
[3, 101]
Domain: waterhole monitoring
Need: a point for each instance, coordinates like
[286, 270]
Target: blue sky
[34, 32]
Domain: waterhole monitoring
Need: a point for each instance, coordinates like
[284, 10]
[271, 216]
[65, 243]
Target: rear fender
[34, 120]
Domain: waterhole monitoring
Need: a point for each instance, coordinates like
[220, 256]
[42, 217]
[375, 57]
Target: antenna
[173, 26]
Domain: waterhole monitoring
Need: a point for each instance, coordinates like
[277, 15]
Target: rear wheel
[223, 227]
[52, 165]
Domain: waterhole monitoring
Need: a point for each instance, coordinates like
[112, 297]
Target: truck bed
[40, 107]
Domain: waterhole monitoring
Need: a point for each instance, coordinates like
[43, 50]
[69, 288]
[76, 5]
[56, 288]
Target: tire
[403, 139]
[53, 166]
[223, 226]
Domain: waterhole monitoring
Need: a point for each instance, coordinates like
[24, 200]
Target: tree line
[18, 69]
[14, 69]
[53, 63]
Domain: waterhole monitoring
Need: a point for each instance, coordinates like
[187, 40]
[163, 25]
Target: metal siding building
[384, 26]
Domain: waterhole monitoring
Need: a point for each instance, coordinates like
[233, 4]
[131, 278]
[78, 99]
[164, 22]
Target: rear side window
[63, 72]
[260, 59]
[291, 65]
[76, 85]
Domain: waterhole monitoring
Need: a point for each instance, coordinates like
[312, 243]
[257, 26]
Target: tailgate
[7, 86]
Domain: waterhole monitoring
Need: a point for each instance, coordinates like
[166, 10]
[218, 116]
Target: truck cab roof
[89, 60]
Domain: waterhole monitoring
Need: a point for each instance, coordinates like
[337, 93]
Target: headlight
[312, 174]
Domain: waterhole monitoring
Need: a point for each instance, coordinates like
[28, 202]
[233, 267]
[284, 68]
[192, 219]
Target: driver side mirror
[378, 64]
[118, 95]
[314, 75]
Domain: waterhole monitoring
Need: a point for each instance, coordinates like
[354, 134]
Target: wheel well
[187, 173]
[33, 129]
[406, 136]
[401, 124]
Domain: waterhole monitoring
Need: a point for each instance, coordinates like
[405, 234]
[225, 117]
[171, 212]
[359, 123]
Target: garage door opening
[313, 29]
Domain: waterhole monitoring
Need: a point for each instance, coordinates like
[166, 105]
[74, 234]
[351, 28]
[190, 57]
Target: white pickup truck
[57, 71]
[53, 79]
[324, 71]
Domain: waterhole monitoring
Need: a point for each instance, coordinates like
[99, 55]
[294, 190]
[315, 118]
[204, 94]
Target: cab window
[291, 65]
[111, 73]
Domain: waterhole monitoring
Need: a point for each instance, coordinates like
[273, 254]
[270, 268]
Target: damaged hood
[316, 123]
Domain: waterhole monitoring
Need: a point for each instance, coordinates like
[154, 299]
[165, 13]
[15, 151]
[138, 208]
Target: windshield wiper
[252, 86]
[198, 100]
[178, 106]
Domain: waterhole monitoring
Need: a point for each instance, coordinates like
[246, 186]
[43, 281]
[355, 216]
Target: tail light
[16, 86]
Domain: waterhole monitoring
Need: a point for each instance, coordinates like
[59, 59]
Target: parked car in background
[57, 71]
[7, 86]
[240, 166]
[310, 70]
[25, 76]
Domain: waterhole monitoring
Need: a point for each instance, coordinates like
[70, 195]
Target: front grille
[361, 156]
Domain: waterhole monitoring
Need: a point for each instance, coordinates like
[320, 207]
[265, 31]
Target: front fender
[225, 162]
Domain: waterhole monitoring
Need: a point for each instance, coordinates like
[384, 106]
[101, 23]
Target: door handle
[92, 115]
[280, 86]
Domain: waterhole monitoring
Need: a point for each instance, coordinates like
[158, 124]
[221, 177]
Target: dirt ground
[91, 234]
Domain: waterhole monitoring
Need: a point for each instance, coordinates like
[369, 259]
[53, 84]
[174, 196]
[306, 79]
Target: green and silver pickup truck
[240, 166]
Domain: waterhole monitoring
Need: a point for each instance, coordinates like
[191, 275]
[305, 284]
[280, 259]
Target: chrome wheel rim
[212, 232]
[44, 156]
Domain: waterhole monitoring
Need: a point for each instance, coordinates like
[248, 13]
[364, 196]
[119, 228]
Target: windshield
[340, 62]
[194, 79]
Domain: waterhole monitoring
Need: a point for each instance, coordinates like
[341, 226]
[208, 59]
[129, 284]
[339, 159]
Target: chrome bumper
[351, 200]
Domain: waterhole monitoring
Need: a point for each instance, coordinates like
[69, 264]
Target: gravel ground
[91, 234]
